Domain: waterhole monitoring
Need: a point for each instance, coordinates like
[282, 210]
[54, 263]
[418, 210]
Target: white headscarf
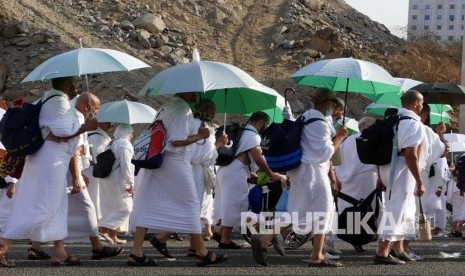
[123, 131]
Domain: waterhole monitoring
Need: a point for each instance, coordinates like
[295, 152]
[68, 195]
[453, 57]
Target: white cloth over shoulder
[316, 141]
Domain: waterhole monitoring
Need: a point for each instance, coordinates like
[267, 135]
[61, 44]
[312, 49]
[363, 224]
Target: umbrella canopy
[407, 84]
[347, 74]
[455, 137]
[445, 93]
[350, 124]
[276, 114]
[126, 112]
[436, 115]
[84, 61]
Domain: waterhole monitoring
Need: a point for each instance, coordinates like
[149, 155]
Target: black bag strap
[302, 120]
[355, 202]
[94, 133]
[42, 101]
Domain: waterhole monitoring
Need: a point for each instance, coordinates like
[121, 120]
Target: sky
[392, 13]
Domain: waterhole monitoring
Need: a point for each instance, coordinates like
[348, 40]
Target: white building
[441, 18]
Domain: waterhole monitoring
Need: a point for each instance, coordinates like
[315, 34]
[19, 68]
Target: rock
[288, 44]
[10, 31]
[313, 5]
[325, 33]
[150, 22]
[22, 27]
[320, 45]
[143, 37]
[304, 61]
[118, 32]
[310, 53]
[39, 38]
[32, 54]
[180, 52]
[2, 76]
[278, 39]
[103, 28]
[285, 57]
[187, 40]
[282, 29]
[165, 50]
[175, 59]
[25, 42]
[127, 25]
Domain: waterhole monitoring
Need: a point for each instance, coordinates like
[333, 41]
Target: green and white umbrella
[230, 88]
[350, 124]
[126, 112]
[276, 114]
[436, 116]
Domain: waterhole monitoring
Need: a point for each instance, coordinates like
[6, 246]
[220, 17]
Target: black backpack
[359, 210]
[20, 130]
[281, 144]
[460, 174]
[227, 153]
[374, 146]
[104, 165]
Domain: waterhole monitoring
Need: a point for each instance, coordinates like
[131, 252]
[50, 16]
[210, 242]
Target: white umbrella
[350, 124]
[406, 84]
[455, 137]
[84, 61]
[230, 88]
[126, 112]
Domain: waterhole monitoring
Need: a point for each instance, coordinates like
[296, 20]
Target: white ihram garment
[82, 218]
[166, 198]
[232, 180]
[310, 191]
[40, 204]
[398, 218]
[97, 142]
[116, 203]
[6, 204]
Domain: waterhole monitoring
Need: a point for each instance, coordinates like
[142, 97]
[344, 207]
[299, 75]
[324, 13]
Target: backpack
[363, 206]
[227, 153]
[374, 146]
[19, 128]
[460, 174]
[149, 146]
[281, 143]
[104, 165]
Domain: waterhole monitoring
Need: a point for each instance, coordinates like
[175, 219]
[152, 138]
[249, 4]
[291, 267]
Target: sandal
[208, 259]
[4, 262]
[69, 261]
[191, 253]
[259, 252]
[325, 263]
[37, 254]
[141, 261]
[106, 252]
[161, 247]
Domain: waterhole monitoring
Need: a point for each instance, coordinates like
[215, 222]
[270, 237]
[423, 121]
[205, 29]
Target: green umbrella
[350, 124]
[436, 115]
[276, 113]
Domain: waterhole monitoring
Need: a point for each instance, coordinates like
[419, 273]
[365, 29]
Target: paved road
[241, 262]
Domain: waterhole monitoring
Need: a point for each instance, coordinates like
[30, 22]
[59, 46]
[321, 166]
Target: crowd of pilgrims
[58, 200]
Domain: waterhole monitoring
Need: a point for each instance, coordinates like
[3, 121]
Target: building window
[450, 38]
[426, 17]
[452, 6]
[438, 38]
[414, 17]
[439, 17]
[414, 7]
[463, 17]
[451, 27]
[463, 6]
[452, 18]
[427, 7]
[426, 27]
[439, 7]
[414, 28]
[462, 27]
[438, 27]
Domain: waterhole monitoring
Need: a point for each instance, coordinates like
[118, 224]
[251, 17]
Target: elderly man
[358, 180]
[312, 181]
[398, 219]
[41, 204]
[166, 198]
[82, 219]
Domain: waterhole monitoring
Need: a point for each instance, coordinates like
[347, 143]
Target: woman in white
[116, 189]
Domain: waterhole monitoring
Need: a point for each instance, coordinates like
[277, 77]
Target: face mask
[329, 112]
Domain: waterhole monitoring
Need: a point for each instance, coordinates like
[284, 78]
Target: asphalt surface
[241, 262]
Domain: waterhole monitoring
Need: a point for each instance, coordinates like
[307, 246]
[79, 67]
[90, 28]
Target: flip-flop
[325, 263]
[5, 262]
[207, 259]
[106, 252]
[141, 261]
[37, 254]
[259, 252]
[69, 261]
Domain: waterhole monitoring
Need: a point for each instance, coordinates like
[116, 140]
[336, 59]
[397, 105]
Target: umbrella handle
[285, 94]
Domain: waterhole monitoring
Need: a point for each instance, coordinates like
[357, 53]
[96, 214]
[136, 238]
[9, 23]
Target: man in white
[358, 180]
[313, 180]
[40, 206]
[117, 189]
[166, 198]
[98, 140]
[398, 219]
[82, 219]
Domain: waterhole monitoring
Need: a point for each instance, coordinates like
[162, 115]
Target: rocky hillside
[270, 39]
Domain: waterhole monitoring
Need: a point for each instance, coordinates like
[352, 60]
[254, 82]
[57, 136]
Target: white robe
[40, 205]
[358, 179]
[97, 142]
[310, 190]
[232, 180]
[166, 198]
[82, 218]
[116, 203]
[398, 217]
[6, 204]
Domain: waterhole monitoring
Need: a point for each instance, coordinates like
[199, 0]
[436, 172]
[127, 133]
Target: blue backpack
[19, 128]
[281, 144]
